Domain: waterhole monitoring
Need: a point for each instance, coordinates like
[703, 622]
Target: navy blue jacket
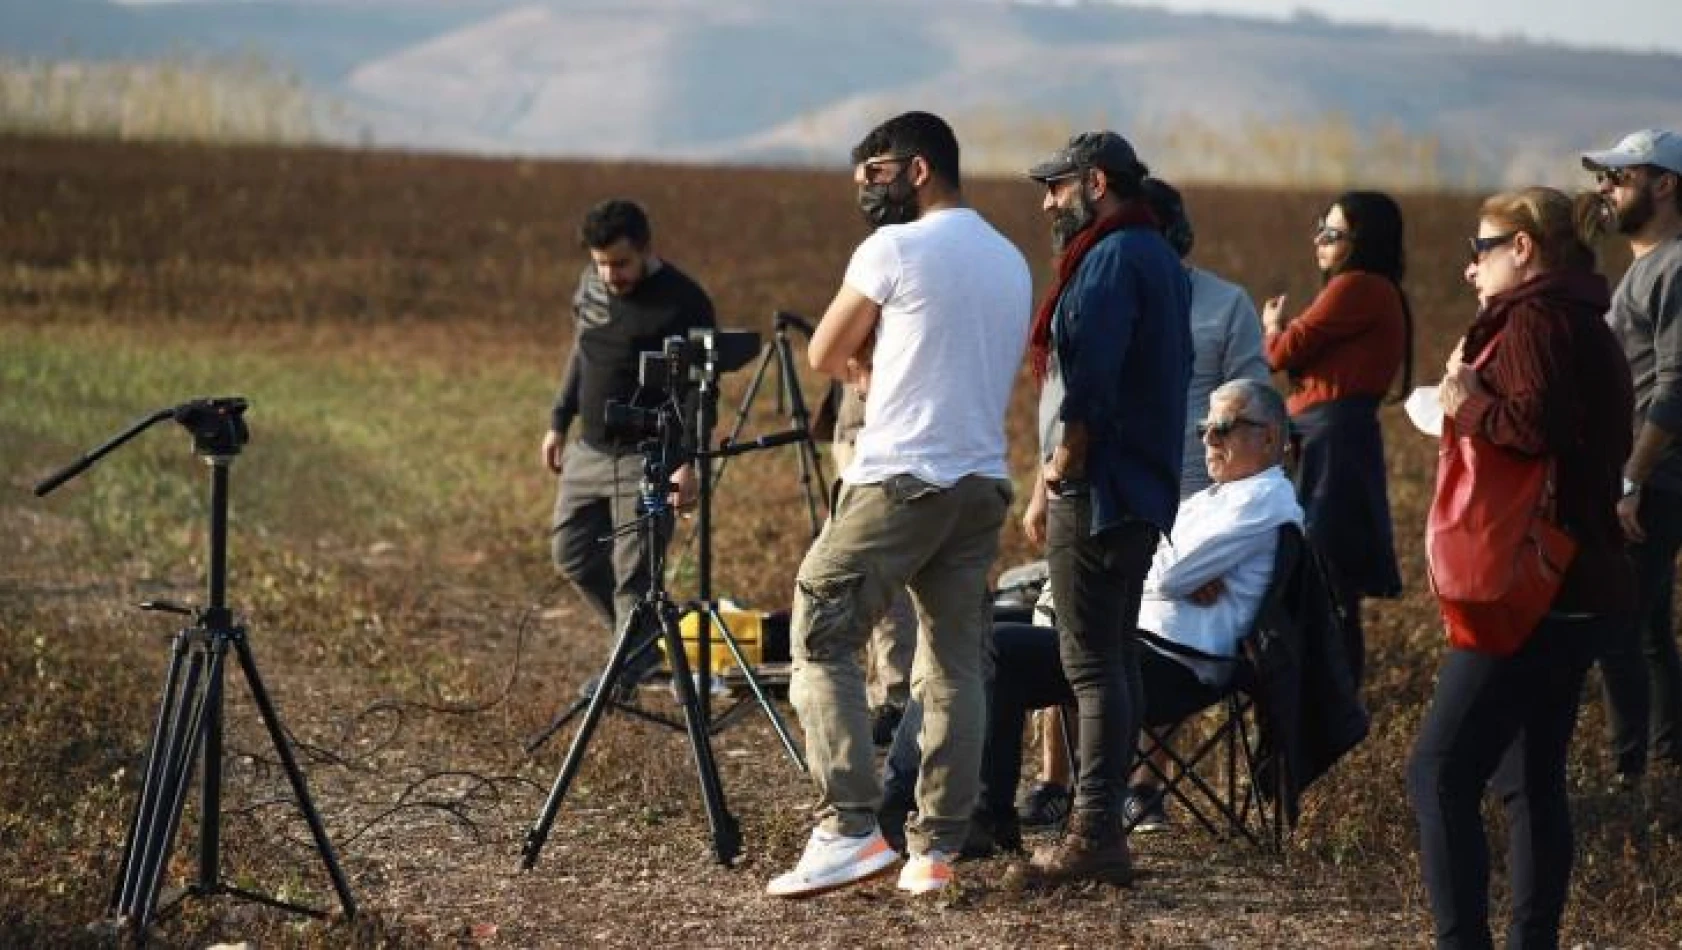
[1122, 339]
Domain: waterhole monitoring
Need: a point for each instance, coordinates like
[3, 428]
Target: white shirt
[956, 299]
[1227, 531]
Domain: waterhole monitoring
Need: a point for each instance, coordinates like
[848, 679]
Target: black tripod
[189, 723]
[655, 612]
[706, 369]
[780, 352]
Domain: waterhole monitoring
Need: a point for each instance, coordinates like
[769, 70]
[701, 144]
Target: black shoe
[1047, 806]
[891, 819]
[1143, 811]
[884, 720]
[989, 834]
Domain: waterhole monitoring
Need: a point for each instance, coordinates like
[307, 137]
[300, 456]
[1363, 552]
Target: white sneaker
[831, 861]
[927, 873]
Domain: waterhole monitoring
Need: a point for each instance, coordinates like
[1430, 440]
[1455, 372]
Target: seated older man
[1205, 586]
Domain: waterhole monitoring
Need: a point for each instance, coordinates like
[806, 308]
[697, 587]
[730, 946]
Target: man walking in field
[1111, 346]
[1641, 183]
[628, 301]
[933, 313]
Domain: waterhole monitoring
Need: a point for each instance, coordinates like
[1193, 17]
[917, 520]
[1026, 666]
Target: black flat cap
[1105, 150]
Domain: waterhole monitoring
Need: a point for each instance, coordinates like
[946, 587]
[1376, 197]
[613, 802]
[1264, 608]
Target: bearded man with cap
[1111, 347]
[1640, 183]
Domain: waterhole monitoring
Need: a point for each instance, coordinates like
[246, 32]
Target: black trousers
[1029, 676]
[1097, 582]
[1510, 719]
[1639, 667]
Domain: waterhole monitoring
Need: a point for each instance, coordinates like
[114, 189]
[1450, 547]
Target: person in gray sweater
[1640, 183]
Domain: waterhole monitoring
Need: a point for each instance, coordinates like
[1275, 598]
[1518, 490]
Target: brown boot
[1093, 849]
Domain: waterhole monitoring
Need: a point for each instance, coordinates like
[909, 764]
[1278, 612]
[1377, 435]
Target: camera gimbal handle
[217, 425]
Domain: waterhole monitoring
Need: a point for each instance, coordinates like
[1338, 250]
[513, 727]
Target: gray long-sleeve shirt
[1226, 343]
[1646, 316]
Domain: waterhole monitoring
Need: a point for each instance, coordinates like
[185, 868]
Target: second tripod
[655, 615]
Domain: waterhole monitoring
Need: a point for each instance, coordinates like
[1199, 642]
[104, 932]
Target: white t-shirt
[956, 299]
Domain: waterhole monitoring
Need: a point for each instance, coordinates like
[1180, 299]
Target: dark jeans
[1030, 676]
[1509, 718]
[1639, 667]
[1097, 582]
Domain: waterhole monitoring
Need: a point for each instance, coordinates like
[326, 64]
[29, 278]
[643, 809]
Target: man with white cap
[1640, 182]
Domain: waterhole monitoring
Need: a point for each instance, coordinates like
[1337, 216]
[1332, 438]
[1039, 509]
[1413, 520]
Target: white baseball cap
[1659, 147]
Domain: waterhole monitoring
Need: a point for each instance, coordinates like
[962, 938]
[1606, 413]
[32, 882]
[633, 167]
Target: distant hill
[796, 82]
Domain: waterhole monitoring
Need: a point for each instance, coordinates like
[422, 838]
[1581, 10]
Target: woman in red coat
[1536, 384]
[1342, 354]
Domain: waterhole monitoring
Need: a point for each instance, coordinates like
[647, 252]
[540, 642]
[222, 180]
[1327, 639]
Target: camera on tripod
[681, 367]
[696, 359]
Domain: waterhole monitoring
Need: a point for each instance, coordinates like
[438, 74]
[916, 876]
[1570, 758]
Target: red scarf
[1132, 214]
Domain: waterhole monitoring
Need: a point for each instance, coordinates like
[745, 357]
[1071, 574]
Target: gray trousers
[597, 494]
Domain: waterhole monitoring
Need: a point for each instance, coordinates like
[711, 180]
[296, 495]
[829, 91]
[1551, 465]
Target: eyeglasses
[1616, 177]
[1325, 236]
[1220, 430]
[873, 166]
[1480, 246]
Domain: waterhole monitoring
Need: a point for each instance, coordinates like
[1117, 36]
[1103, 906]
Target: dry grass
[398, 323]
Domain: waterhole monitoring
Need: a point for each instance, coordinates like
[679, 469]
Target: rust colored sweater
[1348, 342]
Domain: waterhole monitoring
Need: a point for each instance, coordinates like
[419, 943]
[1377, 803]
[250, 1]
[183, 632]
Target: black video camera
[699, 358]
[676, 370]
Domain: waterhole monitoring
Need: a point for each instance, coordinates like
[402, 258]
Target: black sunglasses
[1483, 245]
[1220, 430]
[873, 166]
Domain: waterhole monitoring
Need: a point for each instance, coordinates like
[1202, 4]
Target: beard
[1634, 214]
[890, 202]
[1068, 222]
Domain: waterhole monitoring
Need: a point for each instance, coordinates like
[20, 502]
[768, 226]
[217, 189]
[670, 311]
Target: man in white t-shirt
[931, 320]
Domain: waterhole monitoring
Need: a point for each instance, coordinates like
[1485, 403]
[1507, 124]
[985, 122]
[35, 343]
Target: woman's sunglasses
[1480, 246]
[1326, 236]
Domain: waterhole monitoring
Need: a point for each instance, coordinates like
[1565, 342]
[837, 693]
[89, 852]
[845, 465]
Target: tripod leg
[727, 838]
[777, 724]
[201, 691]
[797, 409]
[299, 789]
[605, 688]
[162, 731]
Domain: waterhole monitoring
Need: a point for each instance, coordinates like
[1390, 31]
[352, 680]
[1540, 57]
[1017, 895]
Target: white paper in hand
[1425, 410]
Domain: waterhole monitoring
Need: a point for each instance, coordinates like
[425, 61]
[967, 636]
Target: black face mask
[889, 202]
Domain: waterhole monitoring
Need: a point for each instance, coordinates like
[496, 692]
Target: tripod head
[217, 425]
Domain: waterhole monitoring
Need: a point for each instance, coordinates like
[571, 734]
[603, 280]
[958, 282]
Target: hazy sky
[1630, 24]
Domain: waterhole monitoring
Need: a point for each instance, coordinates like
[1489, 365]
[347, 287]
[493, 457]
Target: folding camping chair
[1233, 779]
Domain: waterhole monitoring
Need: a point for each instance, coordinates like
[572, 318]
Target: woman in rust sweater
[1341, 355]
[1537, 376]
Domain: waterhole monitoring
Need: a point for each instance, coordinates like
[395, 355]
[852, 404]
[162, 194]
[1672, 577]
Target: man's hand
[1033, 520]
[685, 487]
[551, 451]
[1206, 595]
[1629, 515]
[858, 376]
